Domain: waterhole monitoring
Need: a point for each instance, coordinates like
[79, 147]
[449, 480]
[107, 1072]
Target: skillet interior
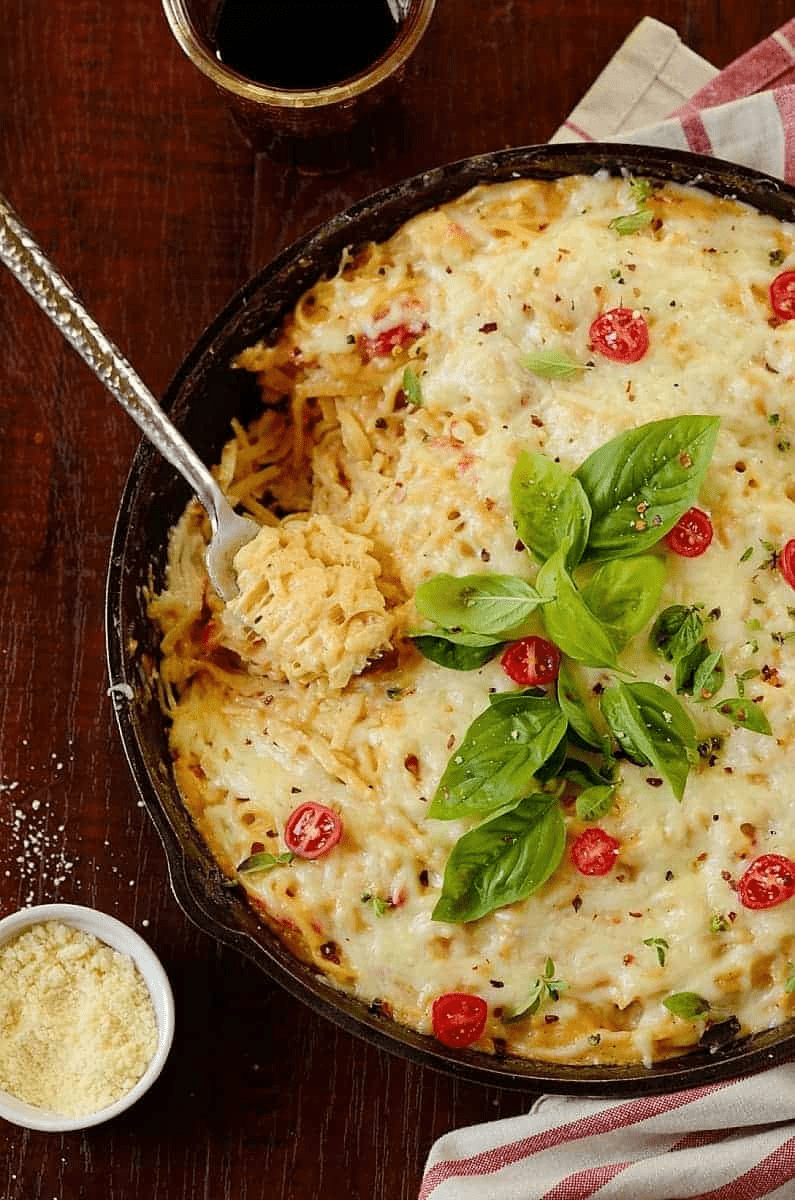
[201, 399]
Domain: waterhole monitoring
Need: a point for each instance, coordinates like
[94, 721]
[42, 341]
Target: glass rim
[198, 50]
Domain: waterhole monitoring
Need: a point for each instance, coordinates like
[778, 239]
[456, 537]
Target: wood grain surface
[128, 168]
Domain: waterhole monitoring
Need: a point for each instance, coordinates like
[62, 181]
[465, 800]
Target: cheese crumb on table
[77, 1025]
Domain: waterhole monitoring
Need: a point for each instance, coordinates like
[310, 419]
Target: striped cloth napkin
[726, 1141]
[656, 92]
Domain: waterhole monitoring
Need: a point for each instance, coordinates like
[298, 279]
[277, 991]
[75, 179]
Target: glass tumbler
[268, 112]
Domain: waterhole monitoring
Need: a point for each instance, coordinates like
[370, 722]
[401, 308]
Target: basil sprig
[499, 756]
[543, 989]
[678, 636]
[503, 860]
[596, 588]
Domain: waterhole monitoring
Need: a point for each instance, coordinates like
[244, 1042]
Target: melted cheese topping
[398, 492]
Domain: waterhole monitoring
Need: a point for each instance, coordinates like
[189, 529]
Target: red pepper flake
[636, 914]
[489, 327]
[550, 1018]
[628, 959]
[576, 903]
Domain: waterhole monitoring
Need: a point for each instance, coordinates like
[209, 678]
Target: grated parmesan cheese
[77, 1026]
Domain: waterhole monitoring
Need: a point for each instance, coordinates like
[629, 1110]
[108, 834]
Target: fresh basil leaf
[263, 861]
[552, 364]
[624, 594]
[549, 505]
[677, 631]
[411, 387]
[631, 222]
[455, 657]
[701, 673]
[640, 483]
[495, 606]
[652, 727]
[687, 1005]
[595, 802]
[577, 709]
[499, 755]
[744, 714]
[568, 620]
[502, 861]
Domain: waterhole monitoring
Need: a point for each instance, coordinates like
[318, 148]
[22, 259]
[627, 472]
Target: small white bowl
[119, 937]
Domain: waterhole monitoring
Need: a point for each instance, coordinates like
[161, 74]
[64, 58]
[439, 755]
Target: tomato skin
[782, 295]
[396, 338]
[531, 661]
[312, 830]
[769, 880]
[594, 852]
[691, 535]
[620, 334]
[459, 1018]
[786, 562]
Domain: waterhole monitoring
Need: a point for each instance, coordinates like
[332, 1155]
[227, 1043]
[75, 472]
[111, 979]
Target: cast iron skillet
[202, 398]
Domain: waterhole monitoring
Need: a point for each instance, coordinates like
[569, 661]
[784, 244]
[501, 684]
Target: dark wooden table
[128, 168]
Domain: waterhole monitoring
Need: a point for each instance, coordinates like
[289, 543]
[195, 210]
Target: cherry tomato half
[768, 881]
[691, 535]
[594, 852]
[312, 830]
[458, 1018]
[531, 661]
[786, 562]
[782, 295]
[620, 334]
[384, 343]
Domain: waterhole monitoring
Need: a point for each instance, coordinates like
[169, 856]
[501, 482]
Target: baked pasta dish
[498, 733]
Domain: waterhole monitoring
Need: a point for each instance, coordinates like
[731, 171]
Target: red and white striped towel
[727, 1141]
[657, 92]
[732, 1140]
